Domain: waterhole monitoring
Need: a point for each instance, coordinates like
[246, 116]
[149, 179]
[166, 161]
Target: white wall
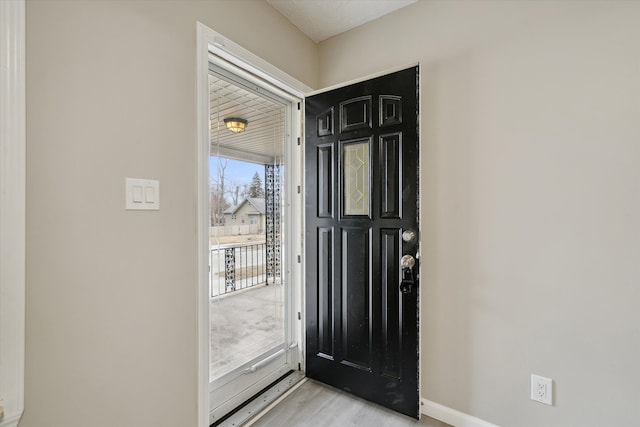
[111, 294]
[530, 210]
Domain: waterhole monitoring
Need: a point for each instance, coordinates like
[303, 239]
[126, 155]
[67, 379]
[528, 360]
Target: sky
[240, 172]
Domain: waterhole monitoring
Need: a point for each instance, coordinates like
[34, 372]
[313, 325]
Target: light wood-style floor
[314, 404]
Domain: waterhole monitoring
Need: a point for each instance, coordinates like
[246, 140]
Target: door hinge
[298, 106]
[298, 189]
[299, 318]
[299, 368]
[298, 259]
[298, 140]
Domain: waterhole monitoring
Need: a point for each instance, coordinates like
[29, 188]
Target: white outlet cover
[542, 389]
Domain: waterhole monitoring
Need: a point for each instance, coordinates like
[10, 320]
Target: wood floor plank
[315, 404]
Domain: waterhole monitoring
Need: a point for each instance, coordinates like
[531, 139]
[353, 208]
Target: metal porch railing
[235, 267]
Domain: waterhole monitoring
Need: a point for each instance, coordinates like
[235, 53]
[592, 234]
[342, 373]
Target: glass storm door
[249, 293]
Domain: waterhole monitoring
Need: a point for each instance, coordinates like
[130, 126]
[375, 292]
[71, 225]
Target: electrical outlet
[542, 389]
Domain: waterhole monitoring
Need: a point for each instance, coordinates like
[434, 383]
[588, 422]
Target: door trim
[213, 47]
[12, 210]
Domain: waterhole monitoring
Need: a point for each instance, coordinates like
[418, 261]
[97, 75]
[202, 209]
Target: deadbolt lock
[408, 236]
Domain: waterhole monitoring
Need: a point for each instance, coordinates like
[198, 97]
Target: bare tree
[237, 192]
[217, 189]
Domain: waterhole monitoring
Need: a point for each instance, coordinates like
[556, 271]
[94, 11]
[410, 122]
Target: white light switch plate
[142, 194]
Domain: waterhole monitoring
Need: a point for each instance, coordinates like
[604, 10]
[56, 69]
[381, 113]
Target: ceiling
[321, 19]
[262, 141]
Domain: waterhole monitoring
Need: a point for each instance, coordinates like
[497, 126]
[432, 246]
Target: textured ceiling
[321, 19]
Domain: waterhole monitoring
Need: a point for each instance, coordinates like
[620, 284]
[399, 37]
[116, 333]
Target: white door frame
[213, 47]
[12, 210]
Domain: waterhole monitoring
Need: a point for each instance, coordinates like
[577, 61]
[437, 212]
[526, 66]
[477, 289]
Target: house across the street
[251, 211]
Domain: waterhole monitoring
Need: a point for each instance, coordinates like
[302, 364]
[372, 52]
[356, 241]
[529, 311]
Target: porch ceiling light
[235, 124]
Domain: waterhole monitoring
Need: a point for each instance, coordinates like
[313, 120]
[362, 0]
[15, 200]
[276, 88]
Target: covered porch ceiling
[264, 138]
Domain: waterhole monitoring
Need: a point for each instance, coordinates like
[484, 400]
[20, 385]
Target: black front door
[361, 160]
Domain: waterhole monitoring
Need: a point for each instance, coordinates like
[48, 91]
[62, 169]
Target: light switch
[149, 194]
[137, 194]
[142, 194]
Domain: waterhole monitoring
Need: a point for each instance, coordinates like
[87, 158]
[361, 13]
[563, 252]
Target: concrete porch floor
[244, 324]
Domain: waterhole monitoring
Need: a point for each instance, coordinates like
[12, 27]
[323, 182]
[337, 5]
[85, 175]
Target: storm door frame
[213, 48]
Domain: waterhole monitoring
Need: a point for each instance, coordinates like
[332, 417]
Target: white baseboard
[451, 416]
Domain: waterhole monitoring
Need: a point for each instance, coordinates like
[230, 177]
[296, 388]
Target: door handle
[407, 262]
